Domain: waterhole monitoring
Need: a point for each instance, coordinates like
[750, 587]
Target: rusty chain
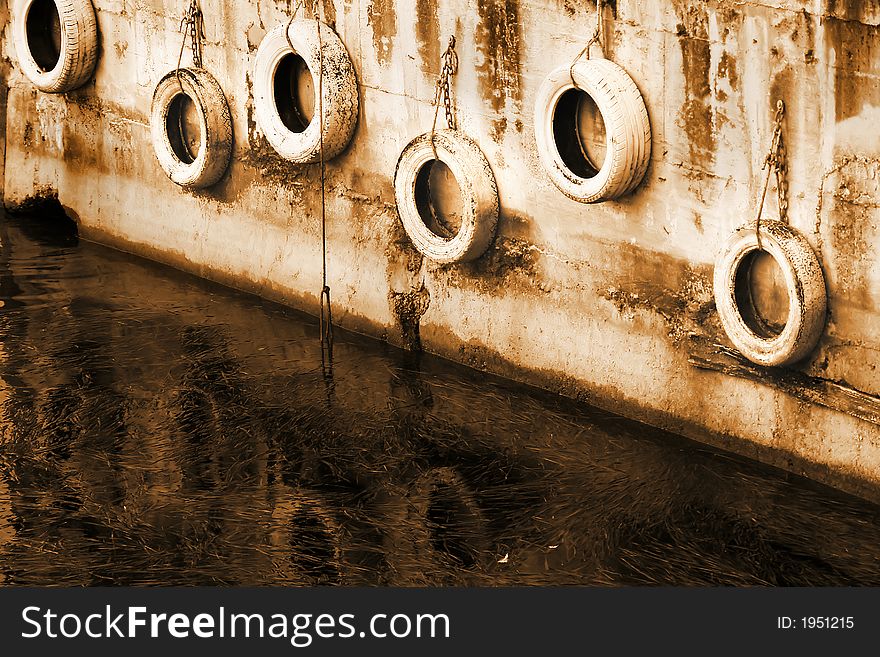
[192, 26]
[594, 39]
[775, 162]
[301, 4]
[443, 91]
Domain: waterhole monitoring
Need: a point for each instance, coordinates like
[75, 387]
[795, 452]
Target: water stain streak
[382, 18]
[499, 37]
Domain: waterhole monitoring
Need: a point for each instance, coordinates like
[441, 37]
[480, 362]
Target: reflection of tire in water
[81, 411]
[58, 422]
[445, 523]
[306, 540]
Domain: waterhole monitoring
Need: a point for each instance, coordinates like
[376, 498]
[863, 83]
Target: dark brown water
[157, 429]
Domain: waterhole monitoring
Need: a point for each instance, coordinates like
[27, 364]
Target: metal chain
[192, 25]
[326, 320]
[443, 92]
[593, 39]
[775, 162]
[302, 3]
[781, 164]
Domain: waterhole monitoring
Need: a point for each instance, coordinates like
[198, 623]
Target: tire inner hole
[294, 93]
[579, 133]
[43, 28]
[184, 128]
[761, 294]
[439, 199]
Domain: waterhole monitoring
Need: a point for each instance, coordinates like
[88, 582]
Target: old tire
[56, 42]
[480, 205]
[807, 295]
[207, 166]
[302, 143]
[627, 130]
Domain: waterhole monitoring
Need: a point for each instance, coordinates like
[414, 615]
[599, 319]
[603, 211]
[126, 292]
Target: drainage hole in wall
[43, 27]
[762, 295]
[579, 133]
[439, 199]
[294, 93]
[184, 128]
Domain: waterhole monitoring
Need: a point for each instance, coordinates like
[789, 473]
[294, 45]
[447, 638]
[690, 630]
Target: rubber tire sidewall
[807, 295]
[627, 129]
[479, 191]
[215, 120]
[76, 64]
[340, 92]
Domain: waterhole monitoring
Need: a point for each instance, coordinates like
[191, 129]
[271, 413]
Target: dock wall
[610, 302]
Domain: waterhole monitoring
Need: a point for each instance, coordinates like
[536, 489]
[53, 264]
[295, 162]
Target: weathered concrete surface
[4, 74]
[606, 302]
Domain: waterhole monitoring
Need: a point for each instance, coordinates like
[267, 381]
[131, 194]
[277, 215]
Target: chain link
[781, 164]
[314, 6]
[443, 92]
[775, 162]
[192, 25]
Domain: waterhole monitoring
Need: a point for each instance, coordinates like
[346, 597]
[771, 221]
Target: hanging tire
[807, 296]
[56, 42]
[479, 192]
[286, 128]
[189, 166]
[627, 131]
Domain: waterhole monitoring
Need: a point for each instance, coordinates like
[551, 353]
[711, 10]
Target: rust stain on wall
[382, 18]
[854, 228]
[428, 35]
[727, 68]
[782, 88]
[850, 10]
[330, 13]
[409, 308]
[852, 243]
[509, 264]
[695, 116]
[498, 40]
[856, 51]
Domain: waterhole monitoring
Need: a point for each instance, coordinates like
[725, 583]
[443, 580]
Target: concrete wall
[4, 74]
[610, 302]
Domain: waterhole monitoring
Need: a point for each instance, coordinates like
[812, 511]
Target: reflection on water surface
[157, 429]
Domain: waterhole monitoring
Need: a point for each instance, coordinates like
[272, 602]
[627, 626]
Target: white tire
[56, 57]
[807, 295]
[207, 166]
[340, 91]
[480, 206]
[627, 131]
